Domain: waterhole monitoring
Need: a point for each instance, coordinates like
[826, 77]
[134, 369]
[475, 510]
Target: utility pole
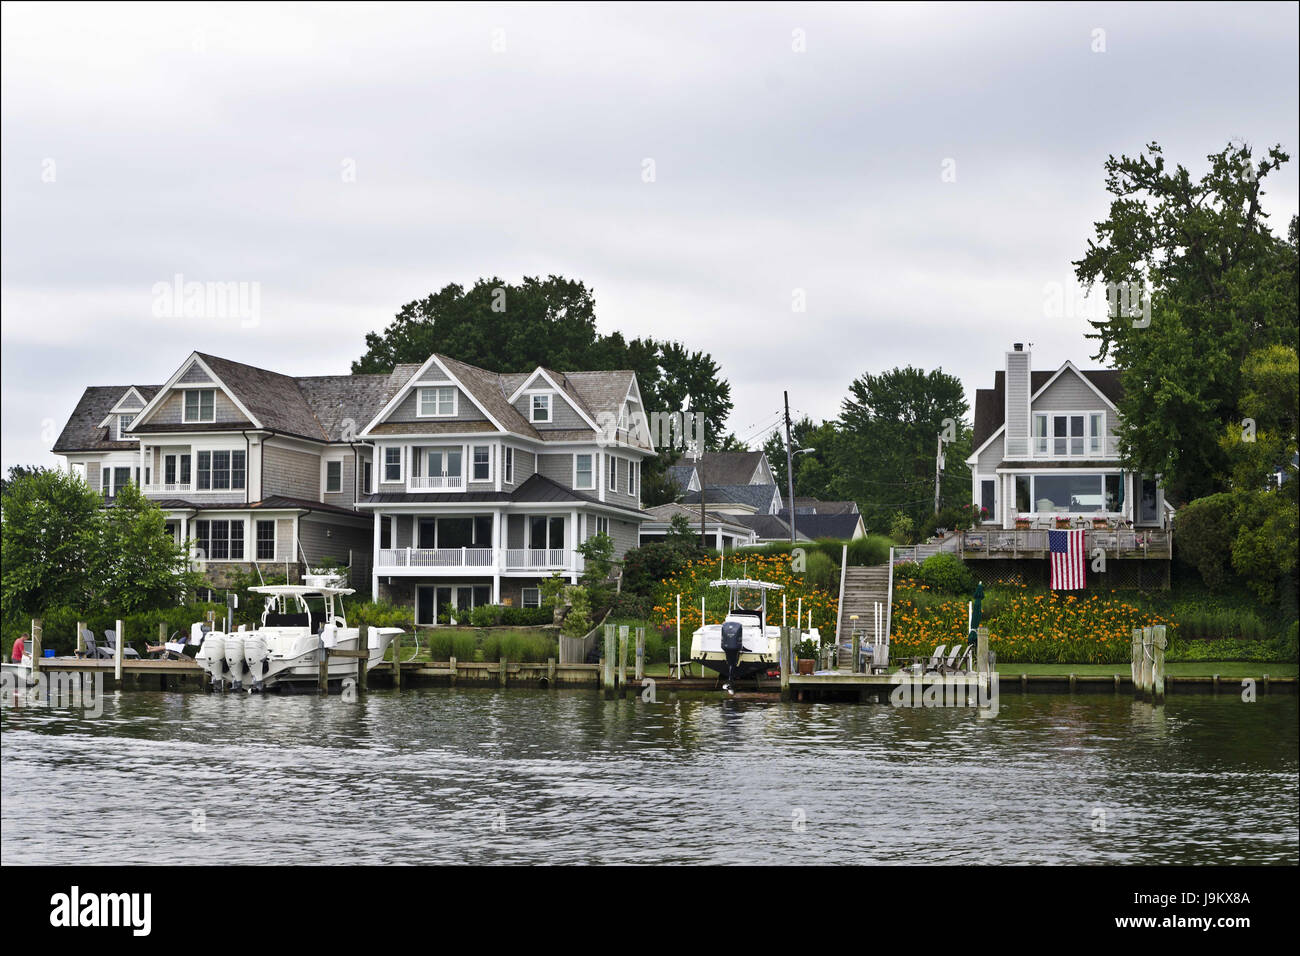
[789, 465]
[938, 473]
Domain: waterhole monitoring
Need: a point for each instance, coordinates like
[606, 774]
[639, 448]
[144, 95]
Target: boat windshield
[747, 599]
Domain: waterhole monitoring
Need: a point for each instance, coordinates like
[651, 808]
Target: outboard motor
[235, 659]
[212, 652]
[255, 654]
[733, 641]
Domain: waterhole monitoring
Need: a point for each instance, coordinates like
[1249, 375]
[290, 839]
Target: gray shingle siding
[172, 410]
[562, 414]
[558, 468]
[194, 375]
[323, 539]
[294, 474]
[1070, 393]
[408, 410]
[1017, 398]
[347, 495]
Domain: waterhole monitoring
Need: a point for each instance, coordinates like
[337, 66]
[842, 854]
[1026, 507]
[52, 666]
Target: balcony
[169, 488]
[1094, 448]
[1032, 543]
[437, 483]
[415, 561]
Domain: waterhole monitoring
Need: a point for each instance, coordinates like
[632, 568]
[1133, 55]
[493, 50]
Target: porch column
[498, 553]
[1008, 501]
[374, 561]
[573, 554]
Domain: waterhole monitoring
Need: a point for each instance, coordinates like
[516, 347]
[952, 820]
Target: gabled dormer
[122, 415]
[547, 401]
[194, 398]
[434, 400]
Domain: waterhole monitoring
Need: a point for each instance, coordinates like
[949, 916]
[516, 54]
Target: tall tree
[814, 471]
[1221, 285]
[889, 430]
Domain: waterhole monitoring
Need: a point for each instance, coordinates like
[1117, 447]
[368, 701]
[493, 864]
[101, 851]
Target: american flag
[1067, 559]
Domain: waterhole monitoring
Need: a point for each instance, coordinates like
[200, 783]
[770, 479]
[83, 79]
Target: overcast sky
[919, 175]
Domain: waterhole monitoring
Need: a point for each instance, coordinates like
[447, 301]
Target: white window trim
[325, 474]
[194, 469]
[523, 597]
[611, 480]
[401, 465]
[120, 416]
[595, 480]
[275, 549]
[1053, 414]
[550, 406]
[185, 409]
[490, 470]
[508, 464]
[419, 401]
[243, 522]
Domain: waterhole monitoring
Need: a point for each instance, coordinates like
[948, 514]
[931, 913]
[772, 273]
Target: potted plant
[807, 656]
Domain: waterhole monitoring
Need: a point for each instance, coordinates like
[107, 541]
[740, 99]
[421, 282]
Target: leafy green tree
[138, 565]
[1221, 285]
[815, 475]
[49, 542]
[889, 429]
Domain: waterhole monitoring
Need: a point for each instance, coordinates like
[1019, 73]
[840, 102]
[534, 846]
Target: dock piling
[607, 665]
[622, 657]
[397, 661]
[1160, 641]
[453, 671]
[786, 634]
[640, 655]
[324, 676]
[1135, 668]
[982, 649]
[117, 652]
[81, 639]
[501, 679]
[38, 637]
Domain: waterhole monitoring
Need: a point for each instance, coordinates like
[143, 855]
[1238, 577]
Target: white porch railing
[437, 482]
[1063, 449]
[169, 488]
[527, 559]
[436, 557]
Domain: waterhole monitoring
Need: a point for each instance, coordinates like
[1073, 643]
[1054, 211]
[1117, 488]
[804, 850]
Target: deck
[1016, 543]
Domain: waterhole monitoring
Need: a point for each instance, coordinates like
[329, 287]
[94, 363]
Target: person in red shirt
[20, 645]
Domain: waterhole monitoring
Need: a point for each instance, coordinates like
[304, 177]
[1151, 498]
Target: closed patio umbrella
[975, 612]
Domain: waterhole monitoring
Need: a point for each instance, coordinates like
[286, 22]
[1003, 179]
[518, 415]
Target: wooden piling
[324, 653]
[501, 676]
[81, 639]
[1135, 666]
[397, 661]
[452, 675]
[786, 634]
[117, 654]
[622, 656]
[1160, 640]
[550, 672]
[1147, 660]
[607, 665]
[640, 655]
[162, 632]
[982, 649]
[857, 651]
[38, 638]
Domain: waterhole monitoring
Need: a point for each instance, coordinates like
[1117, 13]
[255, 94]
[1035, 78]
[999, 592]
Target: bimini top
[300, 590]
[747, 583]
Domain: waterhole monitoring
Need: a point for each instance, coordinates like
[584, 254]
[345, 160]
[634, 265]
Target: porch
[1015, 543]
[433, 560]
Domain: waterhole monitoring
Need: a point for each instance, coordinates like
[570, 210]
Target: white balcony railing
[527, 559]
[437, 482]
[169, 488]
[1063, 449]
[436, 557]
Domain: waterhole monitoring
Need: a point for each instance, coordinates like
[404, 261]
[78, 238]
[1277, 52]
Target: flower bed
[692, 581]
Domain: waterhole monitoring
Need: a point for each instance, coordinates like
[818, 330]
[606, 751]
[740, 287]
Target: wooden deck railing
[1032, 542]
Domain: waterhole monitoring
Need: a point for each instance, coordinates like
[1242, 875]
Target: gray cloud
[209, 141]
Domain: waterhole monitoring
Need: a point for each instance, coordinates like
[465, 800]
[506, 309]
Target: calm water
[445, 776]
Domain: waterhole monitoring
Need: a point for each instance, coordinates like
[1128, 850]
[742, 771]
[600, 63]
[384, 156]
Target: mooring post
[1135, 670]
[117, 652]
[162, 632]
[361, 663]
[785, 662]
[324, 654]
[81, 639]
[501, 677]
[550, 672]
[857, 647]
[1147, 660]
[397, 661]
[38, 637]
[1160, 640]
[452, 665]
[607, 665]
[982, 649]
[622, 656]
[640, 655]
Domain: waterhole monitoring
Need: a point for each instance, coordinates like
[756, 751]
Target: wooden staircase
[863, 587]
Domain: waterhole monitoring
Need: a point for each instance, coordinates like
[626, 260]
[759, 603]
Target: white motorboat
[760, 649]
[288, 645]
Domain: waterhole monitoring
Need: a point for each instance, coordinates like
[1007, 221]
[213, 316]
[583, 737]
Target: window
[113, 480]
[392, 464]
[633, 474]
[220, 540]
[333, 476]
[1069, 494]
[531, 597]
[200, 405]
[123, 423]
[541, 407]
[1069, 434]
[266, 541]
[988, 489]
[482, 463]
[583, 476]
[611, 466]
[508, 464]
[385, 533]
[545, 532]
[602, 526]
[365, 477]
[220, 471]
[438, 402]
[443, 462]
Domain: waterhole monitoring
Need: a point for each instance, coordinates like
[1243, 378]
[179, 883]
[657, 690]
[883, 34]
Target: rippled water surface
[441, 775]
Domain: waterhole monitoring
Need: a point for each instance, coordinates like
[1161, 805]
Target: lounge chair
[960, 660]
[936, 659]
[110, 638]
[93, 649]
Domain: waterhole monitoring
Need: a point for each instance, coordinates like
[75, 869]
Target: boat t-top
[288, 644]
[760, 642]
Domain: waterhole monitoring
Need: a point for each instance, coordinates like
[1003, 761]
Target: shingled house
[443, 484]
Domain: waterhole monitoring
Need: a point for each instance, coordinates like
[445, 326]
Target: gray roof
[729, 467]
[336, 399]
[816, 506]
[769, 527]
[83, 431]
[825, 526]
[273, 399]
[538, 489]
[990, 403]
[758, 497]
[666, 512]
